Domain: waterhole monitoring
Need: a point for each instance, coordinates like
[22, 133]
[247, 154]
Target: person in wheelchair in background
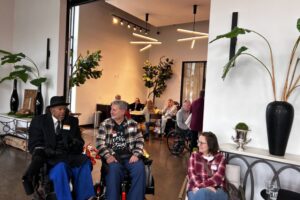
[121, 144]
[181, 127]
[55, 139]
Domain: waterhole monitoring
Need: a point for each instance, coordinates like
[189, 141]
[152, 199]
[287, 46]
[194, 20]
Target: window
[192, 79]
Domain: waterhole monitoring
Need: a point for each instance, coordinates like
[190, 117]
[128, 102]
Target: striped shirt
[198, 175]
[133, 137]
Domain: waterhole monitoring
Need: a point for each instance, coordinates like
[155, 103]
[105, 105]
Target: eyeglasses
[199, 142]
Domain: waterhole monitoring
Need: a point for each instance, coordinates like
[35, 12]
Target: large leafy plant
[85, 68]
[155, 76]
[24, 68]
[292, 78]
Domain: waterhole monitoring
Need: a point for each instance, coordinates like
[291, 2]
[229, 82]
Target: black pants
[194, 139]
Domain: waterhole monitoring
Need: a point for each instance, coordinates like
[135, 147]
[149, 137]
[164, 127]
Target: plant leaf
[231, 62]
[38, 81]
[25, 67]
[232, 34]
[298, 24]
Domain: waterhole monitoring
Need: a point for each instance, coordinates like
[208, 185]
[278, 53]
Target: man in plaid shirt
[121, 144]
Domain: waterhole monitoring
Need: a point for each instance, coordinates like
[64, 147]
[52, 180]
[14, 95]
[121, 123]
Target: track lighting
[122, 21]
[195, 34]
[149, 41]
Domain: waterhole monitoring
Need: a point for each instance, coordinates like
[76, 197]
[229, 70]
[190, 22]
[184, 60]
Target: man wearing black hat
[56, 137]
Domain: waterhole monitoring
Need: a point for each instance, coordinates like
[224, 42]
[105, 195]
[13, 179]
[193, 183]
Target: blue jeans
[116, 174]
[82, 181]
[206, 194]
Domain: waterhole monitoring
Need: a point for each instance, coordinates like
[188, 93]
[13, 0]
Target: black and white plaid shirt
[107, 131]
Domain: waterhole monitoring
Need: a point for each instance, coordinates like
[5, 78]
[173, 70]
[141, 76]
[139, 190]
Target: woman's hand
[212, 189]
[195, 189]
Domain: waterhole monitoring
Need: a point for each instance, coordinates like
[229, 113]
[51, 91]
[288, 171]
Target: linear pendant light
[196, 35]
[149, 41]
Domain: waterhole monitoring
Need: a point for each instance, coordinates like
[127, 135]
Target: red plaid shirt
[198, 175]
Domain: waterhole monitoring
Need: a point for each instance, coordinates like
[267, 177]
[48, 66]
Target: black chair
[43, 186]
[100, 187]
[283, 195]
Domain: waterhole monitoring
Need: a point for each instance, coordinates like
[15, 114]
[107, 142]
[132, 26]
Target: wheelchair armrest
[146, 161]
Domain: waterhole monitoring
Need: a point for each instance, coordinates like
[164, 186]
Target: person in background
[118, 97]
[136, 105]
[196, 125]
[182, 116]
[57, 136]
[168, 112]
[206, 170]
[120, 144]
[149, 109]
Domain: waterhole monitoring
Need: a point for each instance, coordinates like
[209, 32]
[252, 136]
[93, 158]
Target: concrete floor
[168, 170]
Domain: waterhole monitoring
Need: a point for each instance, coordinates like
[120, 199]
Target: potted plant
[22, 72]
[279, 114]
[241, 129]
[28, 69]
[85, 68]
[240, 138]
[155, 76]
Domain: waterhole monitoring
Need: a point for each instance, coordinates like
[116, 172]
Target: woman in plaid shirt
[206, 170]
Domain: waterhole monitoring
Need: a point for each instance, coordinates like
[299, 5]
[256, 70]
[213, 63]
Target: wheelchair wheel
[174, 142]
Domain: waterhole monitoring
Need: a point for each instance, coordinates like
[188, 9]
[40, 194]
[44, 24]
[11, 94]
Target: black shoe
[28, 187]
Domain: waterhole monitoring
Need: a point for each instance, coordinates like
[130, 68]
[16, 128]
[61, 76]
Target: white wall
[29, 24]
[179, 51]
[6, 35]
[244, 95]
[121, 62]
[247, 90]
[30, 36]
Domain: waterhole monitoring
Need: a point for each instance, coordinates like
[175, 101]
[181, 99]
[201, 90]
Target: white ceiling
[164, 12]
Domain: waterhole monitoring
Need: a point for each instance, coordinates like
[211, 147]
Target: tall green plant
[155, 76]
[291, 81]
[21, 71]
[85, 68]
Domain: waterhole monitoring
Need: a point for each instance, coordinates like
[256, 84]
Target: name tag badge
[131, 129]
[66, 127]
[214, 167]
[114, 134]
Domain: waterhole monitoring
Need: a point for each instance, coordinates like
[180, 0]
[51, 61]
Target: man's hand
[212, 189]
[111, 159]
[133, 159]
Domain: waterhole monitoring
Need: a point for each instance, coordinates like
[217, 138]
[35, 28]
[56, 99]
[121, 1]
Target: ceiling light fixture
[197, 35]
[117, 19]
[149, 40]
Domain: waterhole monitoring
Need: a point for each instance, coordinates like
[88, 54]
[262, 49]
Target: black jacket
[42, 134]
[139, 106]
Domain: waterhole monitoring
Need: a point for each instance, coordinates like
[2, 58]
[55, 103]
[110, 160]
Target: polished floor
[168, 170]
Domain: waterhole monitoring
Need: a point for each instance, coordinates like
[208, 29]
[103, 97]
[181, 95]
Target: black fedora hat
[57, 101]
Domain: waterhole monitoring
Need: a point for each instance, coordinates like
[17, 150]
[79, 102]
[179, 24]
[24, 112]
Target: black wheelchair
[100, 188]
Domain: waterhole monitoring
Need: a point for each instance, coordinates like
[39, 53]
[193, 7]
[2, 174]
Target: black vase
[39, 102]
[279, 116]
[14, 99]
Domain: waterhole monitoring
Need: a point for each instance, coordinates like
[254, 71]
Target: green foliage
[85, 68]
[155, 76]
[231, 62]
[21, 72]
[242, 126]
[232, 34]
[292, 80]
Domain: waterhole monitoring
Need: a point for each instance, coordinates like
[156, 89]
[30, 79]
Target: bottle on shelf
[39, 102]
[14, 99]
